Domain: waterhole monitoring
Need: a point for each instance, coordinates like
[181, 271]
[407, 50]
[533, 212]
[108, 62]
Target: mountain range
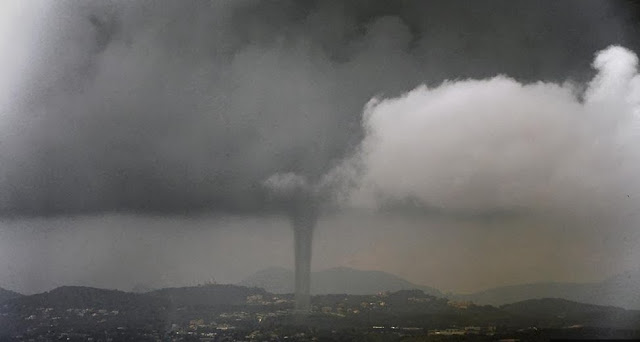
[339, 280]
[622, 290]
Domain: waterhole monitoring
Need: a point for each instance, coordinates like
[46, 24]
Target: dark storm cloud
[173, 107]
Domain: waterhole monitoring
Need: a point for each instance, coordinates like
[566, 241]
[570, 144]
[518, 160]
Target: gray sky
[189, 106]
[136, 139]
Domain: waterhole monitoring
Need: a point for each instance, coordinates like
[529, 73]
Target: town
[215, 312]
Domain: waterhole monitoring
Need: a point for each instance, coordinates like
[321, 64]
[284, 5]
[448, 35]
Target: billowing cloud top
[479, 146]
[177, 106]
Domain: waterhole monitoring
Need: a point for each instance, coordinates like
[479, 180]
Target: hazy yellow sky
[116, 251]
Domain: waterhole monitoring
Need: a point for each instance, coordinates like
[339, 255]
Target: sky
[461, 146]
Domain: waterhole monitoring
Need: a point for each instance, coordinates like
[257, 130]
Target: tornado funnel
[303, 224]
[300, 202]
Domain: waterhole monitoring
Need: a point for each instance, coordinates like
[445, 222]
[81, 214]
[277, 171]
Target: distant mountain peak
[335, 280]
[622, 290]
